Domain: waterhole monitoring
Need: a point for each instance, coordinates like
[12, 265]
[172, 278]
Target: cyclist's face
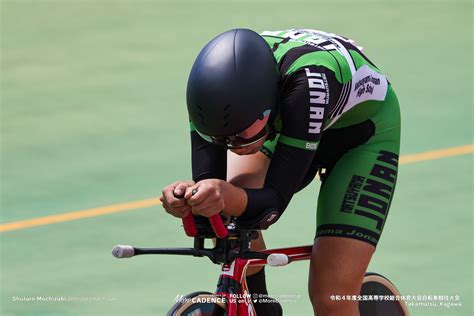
[250, 149]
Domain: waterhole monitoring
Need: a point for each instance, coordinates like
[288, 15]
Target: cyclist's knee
[337, 269]
[323, 306]
[325, 302]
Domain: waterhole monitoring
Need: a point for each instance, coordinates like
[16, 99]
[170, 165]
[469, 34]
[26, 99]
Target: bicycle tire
[377, 284]
[194, 304]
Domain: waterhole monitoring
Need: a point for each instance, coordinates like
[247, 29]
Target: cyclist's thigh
[355, 197]
[247, 171]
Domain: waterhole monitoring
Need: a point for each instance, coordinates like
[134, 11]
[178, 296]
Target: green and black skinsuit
[338, 114]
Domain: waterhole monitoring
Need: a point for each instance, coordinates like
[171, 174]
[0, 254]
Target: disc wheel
[376, 284]
[199, 303]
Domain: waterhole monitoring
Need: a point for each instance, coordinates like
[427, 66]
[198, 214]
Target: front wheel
[199, 303]
[376, 284]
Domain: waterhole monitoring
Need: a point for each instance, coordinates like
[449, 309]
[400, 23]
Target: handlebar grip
[188, 221]
[218, 226]
[189, 225]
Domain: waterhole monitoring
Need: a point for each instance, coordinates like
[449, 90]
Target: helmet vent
[226, 115]
[203, 120]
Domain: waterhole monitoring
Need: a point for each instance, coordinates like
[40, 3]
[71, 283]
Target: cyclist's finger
[198, 206]
[207, 211]
[175, 203]
[182, 209]
[166, 208]
[180, 213]
[199, 199]
[172, 212]
[185, 213]
[180, 189]
[208, 207]
[173, 209]
[177, 212]
[171, 199]
[191, 191]
[167, 192]
[206, 194]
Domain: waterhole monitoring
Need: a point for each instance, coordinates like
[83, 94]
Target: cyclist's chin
[250, 150]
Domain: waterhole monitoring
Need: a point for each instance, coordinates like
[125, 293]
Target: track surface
[93, 115]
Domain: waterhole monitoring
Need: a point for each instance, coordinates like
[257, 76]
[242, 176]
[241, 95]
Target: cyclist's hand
[171, 200]
[208, 198]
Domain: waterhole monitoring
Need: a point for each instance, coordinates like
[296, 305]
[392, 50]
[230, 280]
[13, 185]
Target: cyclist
[267, 113]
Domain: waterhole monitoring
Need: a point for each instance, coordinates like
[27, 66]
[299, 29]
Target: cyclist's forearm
[286, 172]
[208, 160]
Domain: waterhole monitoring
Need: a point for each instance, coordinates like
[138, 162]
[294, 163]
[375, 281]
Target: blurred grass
[93, 113]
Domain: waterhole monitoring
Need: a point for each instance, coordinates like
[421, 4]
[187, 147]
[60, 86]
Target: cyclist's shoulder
[309, 84]
[293, 51]
[296, 49]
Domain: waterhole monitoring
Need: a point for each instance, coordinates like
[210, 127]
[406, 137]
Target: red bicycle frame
[232, 250]
[232, 282]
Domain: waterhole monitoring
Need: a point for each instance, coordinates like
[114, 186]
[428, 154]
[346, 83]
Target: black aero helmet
[232, 83]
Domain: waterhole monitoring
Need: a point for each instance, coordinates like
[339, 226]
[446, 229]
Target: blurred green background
[93, 113]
